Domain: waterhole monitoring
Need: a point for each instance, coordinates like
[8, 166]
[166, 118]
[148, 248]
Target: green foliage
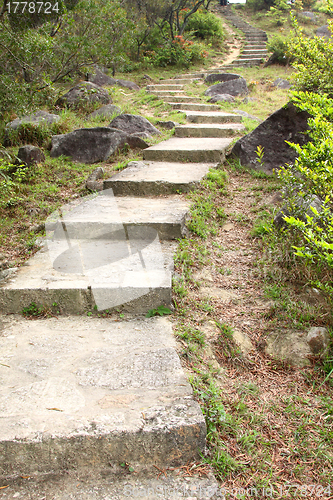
[312, 176]
[161, 311]
[206, 26]
[11, 179]
[313, 61]
[30, 133]
[278, 45]
[178, 52]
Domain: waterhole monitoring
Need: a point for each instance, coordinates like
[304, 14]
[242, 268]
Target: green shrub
[179, 52]
[313, 61]
[278, 45]
[312, 176]
[205, 26]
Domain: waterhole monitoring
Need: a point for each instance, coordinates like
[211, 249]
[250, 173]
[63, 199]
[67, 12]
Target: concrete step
[254, 52]
[154, 178]
[112, 483]
[103, 253]
[168, 93]
[192, 76]
[212, 117]
[177, 81]
[194, 106]
[208, 130]
[188, 150]
[94, 392]
[182, 98]
[166, 86]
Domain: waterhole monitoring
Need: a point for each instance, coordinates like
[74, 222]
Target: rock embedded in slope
[40, 117]
[222, 98]
[88, 145]
[234, 87]
[281, 83]
[221, 77]
[286, 124]
[30, 155]
[107, 111]
[82, 94]
[324, 31]
[132, 124]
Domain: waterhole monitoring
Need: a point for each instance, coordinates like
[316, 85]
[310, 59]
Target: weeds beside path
[269, 424]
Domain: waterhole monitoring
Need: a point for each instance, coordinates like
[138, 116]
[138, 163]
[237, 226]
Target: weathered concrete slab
[93, 392]
[104, 214]
[147, 178]
[212, 117]
[166, 86]
[208, 130]
[114, 483]
[194, 106]
[188, 150]
[180, 98]
[92, 274]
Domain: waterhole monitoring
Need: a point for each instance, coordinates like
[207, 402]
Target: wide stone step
[182, 98]
[167, 86]
[155, 178]
[212, 117]
[208, 130]
[93, 392]
[254, 52]
[188, 150]
[104, 253]
[167, 93]
[177, 81]
[194, 106]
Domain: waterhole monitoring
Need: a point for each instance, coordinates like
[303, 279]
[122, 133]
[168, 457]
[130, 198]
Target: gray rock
[30, 155]
[135, 141]
[281, 83]
[221, 77]
[99, 78]
[303, 208]
[288, 346]
[168, 125]
[92, 181]
[222, 98]
[107, 111]
[88, 145]
[127, 84]
[82, 94]
[131, 124]
[247, 115]
[233, 87]
[286, 124]
[38, 118]
[324, 31]
[318, 339]
[309, 15]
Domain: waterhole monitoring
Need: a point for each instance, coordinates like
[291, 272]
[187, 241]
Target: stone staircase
[86, 391]
[254, 50]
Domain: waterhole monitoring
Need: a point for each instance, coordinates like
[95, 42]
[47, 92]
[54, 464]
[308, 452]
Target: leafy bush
[179, 52]
[312, 176]
[206, 26]
[11, 179]
[313, 61]
[278, 45]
